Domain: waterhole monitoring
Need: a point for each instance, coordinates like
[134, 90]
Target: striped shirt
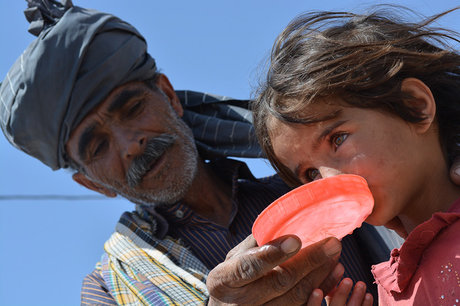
[210, 242]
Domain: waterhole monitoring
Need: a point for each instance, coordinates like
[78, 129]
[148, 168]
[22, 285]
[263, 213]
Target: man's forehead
[122, 93]
[117, 102]
[117, 98]
[81, 135]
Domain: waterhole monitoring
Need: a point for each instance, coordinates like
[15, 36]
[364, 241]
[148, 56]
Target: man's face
[135, 144]
[380, 147]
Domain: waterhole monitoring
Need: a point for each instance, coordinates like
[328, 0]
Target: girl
[378, 97]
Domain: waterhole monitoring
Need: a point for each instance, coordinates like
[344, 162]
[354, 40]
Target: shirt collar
[180, 214]
[395, 275]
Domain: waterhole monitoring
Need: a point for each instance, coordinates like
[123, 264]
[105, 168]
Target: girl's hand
[339, 296]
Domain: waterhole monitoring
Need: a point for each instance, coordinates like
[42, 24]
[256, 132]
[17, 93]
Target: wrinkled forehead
[120, 95]
[117, 98]
[110, 104]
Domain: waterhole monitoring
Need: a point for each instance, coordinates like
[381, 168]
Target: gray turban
[78, 58]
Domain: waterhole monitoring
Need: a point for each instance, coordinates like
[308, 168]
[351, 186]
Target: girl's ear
[420, 99]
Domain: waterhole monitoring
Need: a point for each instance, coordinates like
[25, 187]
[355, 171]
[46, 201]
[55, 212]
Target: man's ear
[81, 179]
[422, 100]
[165, 86]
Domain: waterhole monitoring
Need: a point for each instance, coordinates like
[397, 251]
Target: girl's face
[398, 159]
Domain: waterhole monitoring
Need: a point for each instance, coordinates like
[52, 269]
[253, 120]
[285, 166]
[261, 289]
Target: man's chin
[174, 184]
[163, 198]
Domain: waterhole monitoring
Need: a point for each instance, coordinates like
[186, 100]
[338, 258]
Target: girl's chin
[396, 225]
[372, 220]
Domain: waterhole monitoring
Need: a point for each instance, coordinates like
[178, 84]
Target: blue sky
[48, 245]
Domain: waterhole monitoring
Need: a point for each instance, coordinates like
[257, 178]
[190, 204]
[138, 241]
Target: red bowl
[332, 206]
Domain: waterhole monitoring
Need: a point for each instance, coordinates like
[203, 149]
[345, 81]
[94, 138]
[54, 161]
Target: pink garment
[426, 269]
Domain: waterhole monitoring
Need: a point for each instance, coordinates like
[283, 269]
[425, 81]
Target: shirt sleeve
[94, 291]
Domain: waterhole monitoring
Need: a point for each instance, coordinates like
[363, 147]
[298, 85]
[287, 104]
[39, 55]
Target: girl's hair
[362, 59]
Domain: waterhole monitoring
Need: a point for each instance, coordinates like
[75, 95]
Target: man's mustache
[154, 148]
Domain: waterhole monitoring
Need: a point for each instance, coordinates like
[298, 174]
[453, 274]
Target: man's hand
[272, 274]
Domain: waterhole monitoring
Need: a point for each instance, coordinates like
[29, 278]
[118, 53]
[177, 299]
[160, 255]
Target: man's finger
[315, 255]
[226, 282]
[253, 263]
[251, 279]
[325, 268]
[301, 292]
[332, 279]
[248, 243]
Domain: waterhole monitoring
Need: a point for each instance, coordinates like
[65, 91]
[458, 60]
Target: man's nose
[133, 145]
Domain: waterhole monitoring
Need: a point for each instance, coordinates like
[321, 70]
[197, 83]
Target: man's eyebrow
[123, 97]
[85, 139]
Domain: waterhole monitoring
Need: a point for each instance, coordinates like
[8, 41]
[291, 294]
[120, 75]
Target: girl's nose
[327, 172]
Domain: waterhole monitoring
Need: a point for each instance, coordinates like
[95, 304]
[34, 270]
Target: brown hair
[363, 59]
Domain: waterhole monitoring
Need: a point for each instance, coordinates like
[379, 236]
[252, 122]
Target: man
[120, 125]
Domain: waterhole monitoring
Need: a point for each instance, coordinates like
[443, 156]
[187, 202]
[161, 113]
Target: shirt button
[179, 213]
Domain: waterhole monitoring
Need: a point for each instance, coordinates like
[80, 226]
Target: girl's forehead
[312, 115]
[277, 128]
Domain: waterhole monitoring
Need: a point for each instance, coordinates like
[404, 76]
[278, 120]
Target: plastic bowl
[332, 206]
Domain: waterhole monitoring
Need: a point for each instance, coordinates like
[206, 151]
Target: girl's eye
[311, 174]
[338, 139]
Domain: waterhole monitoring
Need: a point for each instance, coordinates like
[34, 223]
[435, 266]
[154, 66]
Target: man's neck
[209, 196]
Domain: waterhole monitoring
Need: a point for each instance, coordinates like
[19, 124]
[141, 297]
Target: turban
[78, 58]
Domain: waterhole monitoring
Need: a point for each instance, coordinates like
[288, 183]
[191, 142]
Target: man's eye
[338, 139]
[311, 174]
[101, 146]
[134, 109]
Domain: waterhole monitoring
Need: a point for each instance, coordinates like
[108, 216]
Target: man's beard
[177, 183]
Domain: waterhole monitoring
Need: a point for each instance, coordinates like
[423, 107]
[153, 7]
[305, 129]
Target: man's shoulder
[193, 98]
[95, 291]
[134, 255]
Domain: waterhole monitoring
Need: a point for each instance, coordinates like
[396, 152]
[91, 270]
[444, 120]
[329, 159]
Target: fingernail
[290, 245]
[347, 282]
[360, 285]
[457, 171]
[338, 271]
[332, 248]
